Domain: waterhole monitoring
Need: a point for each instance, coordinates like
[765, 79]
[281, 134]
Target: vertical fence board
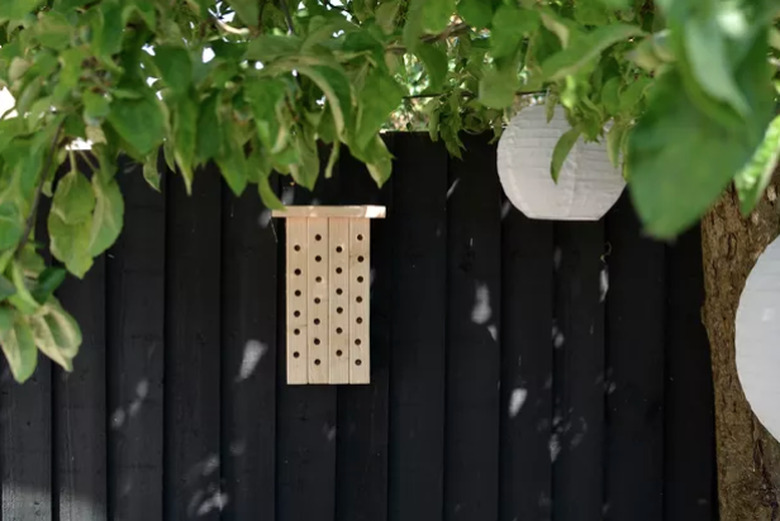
[578, 425]
[473, 324]
[635, 299]
[25, 424]
[361, 465]
[80, 405]
[689, 447]
[526, 410]
[306, 414]
[419, 330]
[192, 354]
[249, 318]
[135, 297]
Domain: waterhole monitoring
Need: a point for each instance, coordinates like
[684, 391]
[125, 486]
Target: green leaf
[247, 10]
[306, 170]
[435, 61]
[6, 289]
[151, 172]
[185, 129]
[753, 179]
[209, 131]
[266, 98]
[54, 31]
[48, 281]
[380, 96]
[386, 14]
[73, 200]
[268, 47]
[378, 160]
[707, 51]
[336, 87]
[332, 159]
[561, 151]
[510, 25]
[22, 299]
[570, 59]
[139, 122]
[18, 344]
[497, 88]
[232, 163]
[107, 28]
[11, 225]
[175, 67]
[476, 13]
[56, 334]
[434, 14]
[615, 138]
[16, 9]
[96, 107]
[108, 215]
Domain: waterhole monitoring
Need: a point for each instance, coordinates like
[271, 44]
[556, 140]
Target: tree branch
[30, 222]
[287, 16]
[453, 30]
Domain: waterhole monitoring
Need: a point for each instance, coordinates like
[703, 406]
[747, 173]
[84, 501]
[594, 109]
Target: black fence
[521, 370]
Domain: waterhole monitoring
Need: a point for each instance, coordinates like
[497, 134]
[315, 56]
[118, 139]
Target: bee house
[328, 286]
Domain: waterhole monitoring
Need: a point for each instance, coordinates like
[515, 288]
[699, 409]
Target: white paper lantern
[758, 339]
[588, 184]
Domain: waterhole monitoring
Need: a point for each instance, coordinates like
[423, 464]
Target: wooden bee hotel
[328, 287]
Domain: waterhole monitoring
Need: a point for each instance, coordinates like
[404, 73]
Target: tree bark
[748, 457]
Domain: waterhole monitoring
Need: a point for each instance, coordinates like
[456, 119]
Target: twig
[28, 225]
[451, 31]
[88, 161]
[230, 29]
[287, 16]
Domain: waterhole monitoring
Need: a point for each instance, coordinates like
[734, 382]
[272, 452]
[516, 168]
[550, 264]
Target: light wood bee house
[328, 287]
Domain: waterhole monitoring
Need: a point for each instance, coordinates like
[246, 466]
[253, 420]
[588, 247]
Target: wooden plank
[527, 291]
[306, 416]
[362, 448]
[192, 349]
[317, 300]
[25, 423]
[473, 348]
[689, 444]
[577, 445]
[419, 332]
[297, 302]
[346, 211]
[339, 298]
[80, 405]
[359, 295]
[635, 368]
[249, 319]
[135, 269]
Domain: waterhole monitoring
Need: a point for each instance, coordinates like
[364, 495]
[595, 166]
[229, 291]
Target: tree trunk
[748, 457]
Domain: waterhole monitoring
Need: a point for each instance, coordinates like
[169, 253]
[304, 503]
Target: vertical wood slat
[418, 308]
[359, 297]
[297, 336]
[527, 291]
[249, 318]
[577, 446]
[635, 369]
[192, 349]
[80, 405]
[135, 268]
[317, 280]
[338, 251]
[473, 322]
[689, 439]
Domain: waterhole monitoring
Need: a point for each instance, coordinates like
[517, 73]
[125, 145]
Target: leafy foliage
[684, 87]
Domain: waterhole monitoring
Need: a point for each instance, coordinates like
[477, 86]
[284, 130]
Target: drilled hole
[318, 237]
[339, 352]
[297, 247]
[359, 320]
[296, 313]
[360, 279]
[339, 291]
[339, 330]
[361, 258]
[316, 321]
[317, 300]
[296, 354]
[297, 293]
[339, 249]
[318, 279]
[317, 361]
[297, 331]
[339, 270]
[360, 237]
[358, 362]
[358, 299]
[297, 272]
[317, 258]
[358, 341]
[339, 310]
[316, 341]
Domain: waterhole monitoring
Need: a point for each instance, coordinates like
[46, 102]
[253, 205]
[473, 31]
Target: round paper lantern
[588, 184]
[758, 339]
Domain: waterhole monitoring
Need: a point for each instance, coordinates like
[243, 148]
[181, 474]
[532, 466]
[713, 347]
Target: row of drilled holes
[339, 310]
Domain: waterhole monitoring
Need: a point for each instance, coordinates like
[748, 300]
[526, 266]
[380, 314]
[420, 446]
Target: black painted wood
[80, 419]
[635, 293]
[527, 291]
[362, 420]
[135, 297]
[417, 374]
[473, 325]
[689, 443]
[192, 349]
[249, 318]
[577, 443]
